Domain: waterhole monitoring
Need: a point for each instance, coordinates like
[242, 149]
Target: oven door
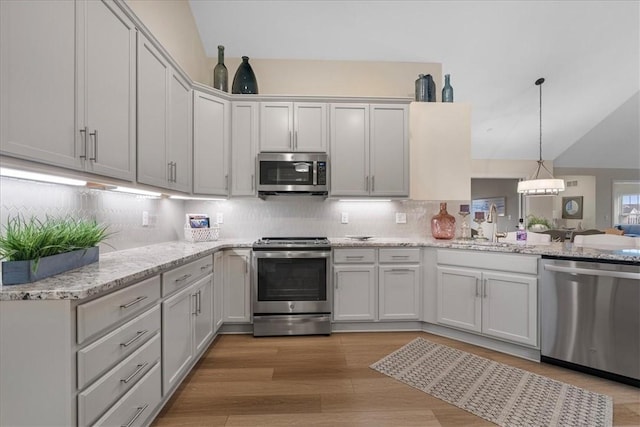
[291, 281]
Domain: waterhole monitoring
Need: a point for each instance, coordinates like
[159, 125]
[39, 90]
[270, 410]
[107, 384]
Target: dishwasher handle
[592, 272]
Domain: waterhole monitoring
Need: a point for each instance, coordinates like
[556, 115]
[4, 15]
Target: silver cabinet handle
[400, 270]
[354, 256]
[135, 301]
[83, 132]
[204, 267]
[175, 171]
[226, 182]
[373, 183]
[366, 183]
[399, 256]
[484, 287]
[252, 179]
[477, 293]
[336, 279]
[169, 171]
[139, 335]
[94, 134]
[199, 300]
[136, 372]
[295, 140]
[183, 278]
[139, 412]
[291, 140]
[195, 303]
[246, 265]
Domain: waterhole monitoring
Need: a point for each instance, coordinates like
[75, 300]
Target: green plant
[33, 239]
[533, 220]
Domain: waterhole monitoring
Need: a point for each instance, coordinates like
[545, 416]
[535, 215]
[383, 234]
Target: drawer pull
[204, 267]
[355, 256]
[135, 301]
[185, 277]
[136, 372]
[399, 256]
[139, 412]
[400, 270]
[139, 335]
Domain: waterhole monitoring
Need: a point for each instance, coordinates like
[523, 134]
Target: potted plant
[34, 249]
[535, 223]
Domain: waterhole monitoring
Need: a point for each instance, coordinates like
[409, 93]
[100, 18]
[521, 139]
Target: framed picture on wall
[483, 205]
[572, 207]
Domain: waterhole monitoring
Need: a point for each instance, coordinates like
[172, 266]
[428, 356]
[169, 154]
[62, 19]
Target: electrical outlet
[145, 218]
[219, 218]
[345, 218]
[401, 218]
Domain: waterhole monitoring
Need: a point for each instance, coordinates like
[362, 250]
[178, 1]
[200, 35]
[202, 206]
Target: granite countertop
[121, 268]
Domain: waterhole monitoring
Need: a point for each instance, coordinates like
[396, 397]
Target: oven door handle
[292, 254]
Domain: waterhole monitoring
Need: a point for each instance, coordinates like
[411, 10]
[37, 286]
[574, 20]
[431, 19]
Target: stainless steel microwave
[292, 173]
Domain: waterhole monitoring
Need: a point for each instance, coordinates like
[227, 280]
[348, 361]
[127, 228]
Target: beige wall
[334, 78]
[172, 23]
[585, 186]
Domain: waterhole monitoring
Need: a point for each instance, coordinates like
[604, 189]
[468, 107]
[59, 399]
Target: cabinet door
[203, 327]
[236, 292]
[244, 131]
[38, 81]
[509, 307]
[177, 337]
[459, 299]
[399, 292]
[354, 292]
[389, 155]
[180, 141]
[152, 115]
[349, 150]
[210, 145]
[310, 127]
[218, 302]
[107, 92]
[276, 126]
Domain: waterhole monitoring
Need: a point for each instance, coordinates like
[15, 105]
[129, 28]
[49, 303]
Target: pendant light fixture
[537, 185]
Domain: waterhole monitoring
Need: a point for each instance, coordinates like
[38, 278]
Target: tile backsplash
[248, 218]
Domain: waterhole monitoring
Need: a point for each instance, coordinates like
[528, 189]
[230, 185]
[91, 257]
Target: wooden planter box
[18, 272]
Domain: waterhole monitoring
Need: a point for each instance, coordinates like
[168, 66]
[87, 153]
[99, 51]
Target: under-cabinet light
[34, 176]
[364, 200]
[215, 199]
[137, 191]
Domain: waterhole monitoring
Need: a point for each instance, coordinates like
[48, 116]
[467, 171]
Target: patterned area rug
[497, 392]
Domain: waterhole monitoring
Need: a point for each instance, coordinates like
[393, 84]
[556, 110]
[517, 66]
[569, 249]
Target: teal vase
[220, 73]
[245, 80]
[447, 90]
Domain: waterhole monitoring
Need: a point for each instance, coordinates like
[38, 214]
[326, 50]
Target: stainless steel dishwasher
[590, 315]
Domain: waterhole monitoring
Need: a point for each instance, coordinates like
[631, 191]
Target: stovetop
[291, 242]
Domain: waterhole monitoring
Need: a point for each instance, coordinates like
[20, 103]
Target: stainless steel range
[291, 290]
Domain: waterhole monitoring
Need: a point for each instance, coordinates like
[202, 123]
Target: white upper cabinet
[68, 85]
[289, 126]
[440, 151]
[369, 150]
[211, 121]
[164, 121]
[244, 131]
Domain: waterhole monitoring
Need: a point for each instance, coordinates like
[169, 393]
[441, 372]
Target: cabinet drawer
[100, 395]
[102, 313]
[343, 256]
[181, 276]
[516, 263]
[399, 255]
[134, 408]
[96, 358]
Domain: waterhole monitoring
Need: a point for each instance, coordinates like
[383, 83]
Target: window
[626, 202]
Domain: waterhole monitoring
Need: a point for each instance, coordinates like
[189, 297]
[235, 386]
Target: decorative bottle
[443, 225]
[431, 88]
[421, 89]
[220, 73]
[447, 90]
[521, 233]
[245, 80]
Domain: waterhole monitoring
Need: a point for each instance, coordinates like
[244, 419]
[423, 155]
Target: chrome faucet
[492, 218]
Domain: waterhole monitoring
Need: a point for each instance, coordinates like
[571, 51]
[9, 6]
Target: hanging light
[537, 185]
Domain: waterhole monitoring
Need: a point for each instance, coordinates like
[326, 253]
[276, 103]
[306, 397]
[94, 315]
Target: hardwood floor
[326, 381]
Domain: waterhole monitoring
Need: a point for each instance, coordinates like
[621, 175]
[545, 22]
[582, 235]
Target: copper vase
[443, 225]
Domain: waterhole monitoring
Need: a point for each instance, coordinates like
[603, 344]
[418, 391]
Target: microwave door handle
[315, 172]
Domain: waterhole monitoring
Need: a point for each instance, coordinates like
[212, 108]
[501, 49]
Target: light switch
[401, 218]
[219, 218]
[145, 218]
[345, 218]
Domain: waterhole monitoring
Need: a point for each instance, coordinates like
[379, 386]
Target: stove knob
[292, 306]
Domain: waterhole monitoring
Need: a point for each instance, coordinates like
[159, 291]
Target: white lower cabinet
[236, 289]
[354, 292]
[187, 320]
[376, 284]
[500, 304]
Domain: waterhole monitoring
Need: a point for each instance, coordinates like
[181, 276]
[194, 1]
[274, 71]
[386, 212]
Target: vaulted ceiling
[588, 52]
